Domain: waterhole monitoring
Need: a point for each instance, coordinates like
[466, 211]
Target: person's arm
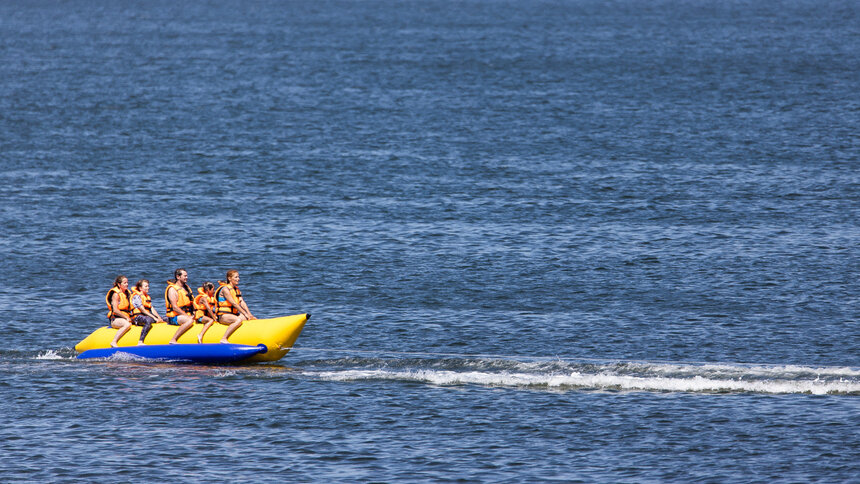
[151, 314]
[242, 307]
[137, 303]
[171, 296]
[247, 311]
[249, 315]
[114, 301]
[209, 310]
[154, 314]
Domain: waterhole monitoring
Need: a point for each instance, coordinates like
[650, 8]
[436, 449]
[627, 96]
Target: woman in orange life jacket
[178, 301]
[142, 312]
[119, 308]
[231, 308]
[204, 308]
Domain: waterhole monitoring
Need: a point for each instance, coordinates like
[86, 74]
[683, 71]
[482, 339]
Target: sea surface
[573, 241]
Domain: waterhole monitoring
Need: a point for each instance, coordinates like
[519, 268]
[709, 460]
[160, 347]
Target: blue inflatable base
[195, 353]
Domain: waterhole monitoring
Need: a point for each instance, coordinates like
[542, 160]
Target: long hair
[230, 274]
[118, 280]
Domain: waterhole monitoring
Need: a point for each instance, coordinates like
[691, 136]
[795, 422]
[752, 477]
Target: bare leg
[230, 329]
[234, 322]
[122, 325]
[185, 324]
[205, 329]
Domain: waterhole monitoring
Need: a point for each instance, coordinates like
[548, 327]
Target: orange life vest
[144, 298]
[123, 305]
[183, 299]
[200, 308]
[224, 306]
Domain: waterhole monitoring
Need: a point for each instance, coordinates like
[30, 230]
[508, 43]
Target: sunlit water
[575, 241]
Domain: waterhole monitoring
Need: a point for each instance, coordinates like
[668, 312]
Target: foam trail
[602, 375]
[748, 369]
[662, 367]
[601, 381]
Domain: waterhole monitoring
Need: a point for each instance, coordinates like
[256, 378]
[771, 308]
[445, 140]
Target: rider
[231, 309]
[142, 313]
[204, 308]
[119, 307]
[178, 301]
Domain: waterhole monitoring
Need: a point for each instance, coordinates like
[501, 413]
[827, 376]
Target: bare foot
[113, 344]
[199, 340]
[171, 342]
[224, 342]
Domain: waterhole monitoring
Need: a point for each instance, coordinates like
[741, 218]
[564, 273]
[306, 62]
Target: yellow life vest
[224, 306]
[199, 307]
[183, 299]
[123, 305]
[144, 298]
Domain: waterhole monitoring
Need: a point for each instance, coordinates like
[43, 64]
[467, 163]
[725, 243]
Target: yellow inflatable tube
[278, 334]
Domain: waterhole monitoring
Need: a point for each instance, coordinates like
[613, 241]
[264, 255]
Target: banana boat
[277, 334]
[206, 353]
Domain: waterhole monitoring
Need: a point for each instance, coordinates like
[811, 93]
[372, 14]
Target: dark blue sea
[561, 240]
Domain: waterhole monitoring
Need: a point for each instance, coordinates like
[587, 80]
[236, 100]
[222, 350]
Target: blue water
[547, 240]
